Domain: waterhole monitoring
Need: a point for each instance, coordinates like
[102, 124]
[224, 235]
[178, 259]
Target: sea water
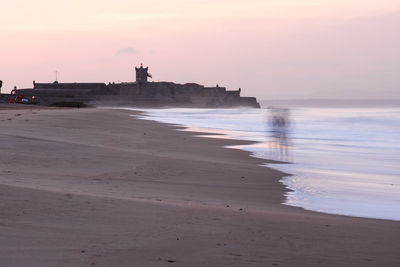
[341, 160]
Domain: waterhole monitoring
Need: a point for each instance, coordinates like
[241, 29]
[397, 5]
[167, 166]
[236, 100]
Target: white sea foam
[344, 161]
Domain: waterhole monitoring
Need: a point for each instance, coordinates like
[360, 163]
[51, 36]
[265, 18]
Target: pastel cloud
[126, 51]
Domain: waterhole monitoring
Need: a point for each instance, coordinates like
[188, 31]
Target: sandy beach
[95, 187]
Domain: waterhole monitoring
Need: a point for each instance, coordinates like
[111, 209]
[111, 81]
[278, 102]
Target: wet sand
[89, 187]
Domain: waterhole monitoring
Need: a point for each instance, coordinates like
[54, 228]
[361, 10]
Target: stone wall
[140, 94]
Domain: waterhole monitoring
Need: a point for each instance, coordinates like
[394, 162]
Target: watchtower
[141, 74]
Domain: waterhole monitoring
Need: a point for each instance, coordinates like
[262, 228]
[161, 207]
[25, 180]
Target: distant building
[139, 93]
[141, 74]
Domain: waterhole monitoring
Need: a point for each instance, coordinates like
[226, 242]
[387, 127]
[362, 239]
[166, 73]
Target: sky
[272, 49]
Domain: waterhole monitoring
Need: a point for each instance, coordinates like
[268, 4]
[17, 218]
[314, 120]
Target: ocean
[341, 160]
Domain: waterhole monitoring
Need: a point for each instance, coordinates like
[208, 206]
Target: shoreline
[260, 149]
[125, 190]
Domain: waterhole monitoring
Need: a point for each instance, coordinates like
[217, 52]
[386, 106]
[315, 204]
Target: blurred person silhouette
[279, 120]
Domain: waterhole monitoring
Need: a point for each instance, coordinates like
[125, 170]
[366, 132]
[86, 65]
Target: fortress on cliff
[141, 93]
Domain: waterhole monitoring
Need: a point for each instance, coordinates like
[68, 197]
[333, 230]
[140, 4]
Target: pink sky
[271, 49]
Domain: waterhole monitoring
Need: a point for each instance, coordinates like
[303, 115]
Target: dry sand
[87, 187]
